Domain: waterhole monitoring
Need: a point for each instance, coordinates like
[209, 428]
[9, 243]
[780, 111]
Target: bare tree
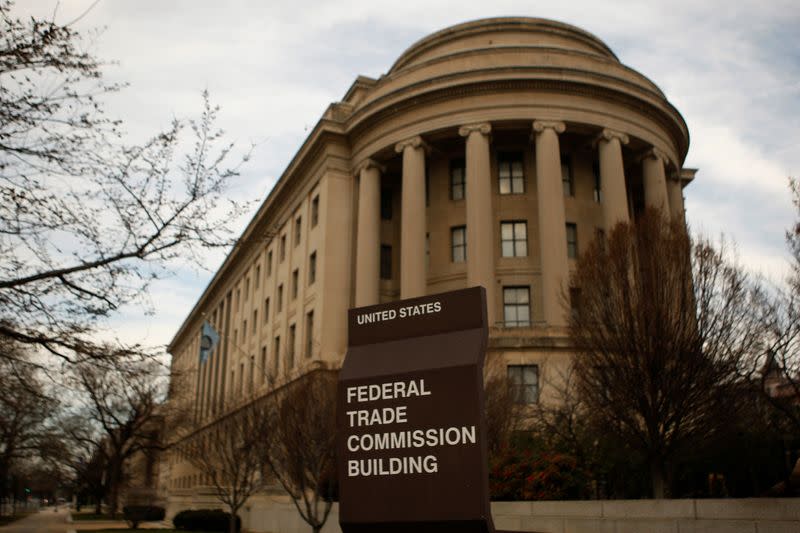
[230, 453]
[121, 402]
[503, 414]
[87, 222]
[301, 446]
[659, 328]
[25, 411]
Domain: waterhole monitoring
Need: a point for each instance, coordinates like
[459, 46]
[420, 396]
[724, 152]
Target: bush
[204, 520]
[526, 475]
[135, 514]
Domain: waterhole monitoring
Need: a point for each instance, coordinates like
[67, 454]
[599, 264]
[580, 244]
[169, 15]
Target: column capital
[556, 125]
[655, 153]
[368, 164]
[608, 134]
[484, 128]
[414, 142]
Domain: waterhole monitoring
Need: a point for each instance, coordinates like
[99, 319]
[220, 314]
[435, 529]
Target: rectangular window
[598, 195]
[386, 203]
[514, 238]
[255, 320]
[246, 288]
[566, 176]
[574, 298]
[312, 268]
[276, 354]
[244, 330]
[516, 307]
[263, 368]
[298, 230]
[572, 240]
[290, 347]
[238, 298]
[295, 282]
[386, 261]
[266, 310]
[280, 297]
[258, 275]
[269, 263]
[252, 372]
[235, 337]
[524, 383]
[282, 249]
[458, 179]
[310, 334]
[458, 244]
[314, 211]
[510, 173]
[241, 378]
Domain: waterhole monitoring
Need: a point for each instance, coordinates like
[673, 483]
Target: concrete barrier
[277, 514]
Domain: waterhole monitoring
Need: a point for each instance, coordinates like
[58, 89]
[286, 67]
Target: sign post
[412, 435]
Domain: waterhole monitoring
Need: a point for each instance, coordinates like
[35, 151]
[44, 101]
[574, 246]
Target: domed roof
[502, 32]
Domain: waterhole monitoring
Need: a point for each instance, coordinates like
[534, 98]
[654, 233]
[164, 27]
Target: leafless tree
[121, 402]
[26, 411]
[301, 448]
[660, 326]
[230, 454]
[503, 414]
[87, 222]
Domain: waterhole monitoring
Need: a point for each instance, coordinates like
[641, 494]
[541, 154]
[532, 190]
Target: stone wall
[276, 514]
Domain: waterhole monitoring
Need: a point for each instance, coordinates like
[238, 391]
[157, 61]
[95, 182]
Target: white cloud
[731, 68]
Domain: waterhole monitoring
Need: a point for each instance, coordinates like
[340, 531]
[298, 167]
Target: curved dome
[501, 32]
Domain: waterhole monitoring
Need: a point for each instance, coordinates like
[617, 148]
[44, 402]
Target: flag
[209, 338]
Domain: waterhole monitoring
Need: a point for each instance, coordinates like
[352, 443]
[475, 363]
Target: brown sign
[412, 439]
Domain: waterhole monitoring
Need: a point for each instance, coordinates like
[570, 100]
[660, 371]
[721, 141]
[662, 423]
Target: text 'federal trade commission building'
[491, 153]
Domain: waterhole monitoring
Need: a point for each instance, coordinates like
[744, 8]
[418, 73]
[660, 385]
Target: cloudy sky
[731, 68]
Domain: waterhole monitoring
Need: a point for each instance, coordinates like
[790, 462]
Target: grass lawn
[92, 516]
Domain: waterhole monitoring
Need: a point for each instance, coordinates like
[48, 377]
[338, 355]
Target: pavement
[45, 521]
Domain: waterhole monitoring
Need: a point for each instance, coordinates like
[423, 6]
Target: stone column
[368, 239]
[612, 178]
[675, 193]
[655, 181]
[552, 221]
[480, 224]
[412, 212]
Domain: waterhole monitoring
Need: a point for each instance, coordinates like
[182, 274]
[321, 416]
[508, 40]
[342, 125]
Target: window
[314, 211]
[566, 176]
[298, 230]
[312, 268]
[514, 238]
[386, 261]
[510, 173]
[269, 263]
[290, 347]
[241, 378]
[246, 288]
[276, 355]
[263, 368]
[458, 182]
[600, 236]
[524, 383]
[266, 310]
[386, 203]
[574, 298]
[282, 249]
[572, 240]
[310, 334]
[258, 275]
[458, 244]
[238, 298]
[244, 330]
[252, 372]
[235, 337]
[295, 278]
[280, 297]
[516, 307]
[598, 196]
[255, 320]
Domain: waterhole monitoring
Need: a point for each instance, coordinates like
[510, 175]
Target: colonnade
[659, 192]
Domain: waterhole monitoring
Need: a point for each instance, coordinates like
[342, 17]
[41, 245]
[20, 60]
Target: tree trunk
[113, 493]
[232, 522]
[657, 478]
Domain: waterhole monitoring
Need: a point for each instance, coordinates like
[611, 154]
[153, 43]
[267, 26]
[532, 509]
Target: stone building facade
[491, 153]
